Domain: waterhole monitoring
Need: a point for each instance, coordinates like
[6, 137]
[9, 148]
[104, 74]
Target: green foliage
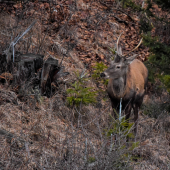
[156, 46]
[158, 63]
[80, 94]
[113, 50]
[166, 81]
[98, 69]
[145, 25]
[132, 4]
[134, 145]
[91, 159]
[122, 127]
[159, 60]
[154, 109]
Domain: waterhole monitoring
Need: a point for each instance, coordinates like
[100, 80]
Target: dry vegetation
[45, 133]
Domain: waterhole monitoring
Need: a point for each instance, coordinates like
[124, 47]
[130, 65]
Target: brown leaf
[101, 56]
[46, 5]
[17, 6]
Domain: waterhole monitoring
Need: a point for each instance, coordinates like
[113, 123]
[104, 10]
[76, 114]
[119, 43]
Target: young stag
[127, 80]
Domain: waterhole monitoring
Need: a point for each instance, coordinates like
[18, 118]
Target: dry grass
[37, 138]
[49, 136]
[46, 134]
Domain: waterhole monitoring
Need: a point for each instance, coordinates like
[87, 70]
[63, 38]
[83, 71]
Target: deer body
[131, 83]
[127, 80]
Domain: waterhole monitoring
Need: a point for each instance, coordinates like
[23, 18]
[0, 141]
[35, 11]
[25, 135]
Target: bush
[98, 69]
[80, 94]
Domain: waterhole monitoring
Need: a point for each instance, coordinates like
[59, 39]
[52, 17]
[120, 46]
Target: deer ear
[117, 58]
[118, 55]
[130, 59]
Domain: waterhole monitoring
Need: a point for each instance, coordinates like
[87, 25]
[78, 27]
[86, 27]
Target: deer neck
[119, 87]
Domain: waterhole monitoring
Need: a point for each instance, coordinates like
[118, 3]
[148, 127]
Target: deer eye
[117, 66]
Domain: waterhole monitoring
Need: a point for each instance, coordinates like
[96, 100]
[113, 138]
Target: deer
[127, 82]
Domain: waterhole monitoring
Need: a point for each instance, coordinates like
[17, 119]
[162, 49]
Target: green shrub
[98, 69]
[80, 94]
[154, 110]
[122, 128]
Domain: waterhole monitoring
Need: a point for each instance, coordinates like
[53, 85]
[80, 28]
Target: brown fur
[127, 80]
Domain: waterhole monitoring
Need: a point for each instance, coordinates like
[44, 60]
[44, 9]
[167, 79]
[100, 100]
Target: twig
[121, 21]
[117, 10]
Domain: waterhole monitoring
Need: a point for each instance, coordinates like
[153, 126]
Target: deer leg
[115, 114]
[127, 116]
[135, 119]
[127, 112]
[114, 111]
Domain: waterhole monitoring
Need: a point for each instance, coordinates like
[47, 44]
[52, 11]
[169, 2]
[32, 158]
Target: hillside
[37, 132]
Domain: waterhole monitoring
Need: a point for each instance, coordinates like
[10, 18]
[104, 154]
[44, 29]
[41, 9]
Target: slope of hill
[46, 133]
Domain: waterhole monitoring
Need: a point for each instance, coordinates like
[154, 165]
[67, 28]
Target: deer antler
[135, 47]
[118, 41]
